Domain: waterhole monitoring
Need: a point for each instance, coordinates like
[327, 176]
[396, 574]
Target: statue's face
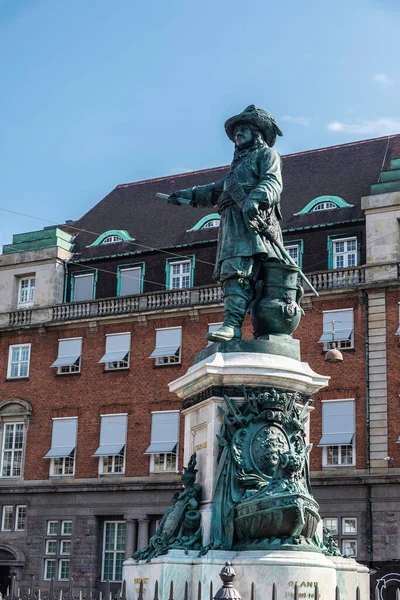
[243, 135]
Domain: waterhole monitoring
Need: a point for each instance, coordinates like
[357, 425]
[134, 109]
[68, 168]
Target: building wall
[347, 378]
[315, 243]
[46, 265]
[393, 379]
[155, 269]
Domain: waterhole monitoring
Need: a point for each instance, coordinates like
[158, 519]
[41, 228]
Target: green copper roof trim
[147, 251]
[385, 188]
[39, 240]
[200, 224]
[340, 203]
[395, 163]
[204, 242]
[322, 225]
[122, 233]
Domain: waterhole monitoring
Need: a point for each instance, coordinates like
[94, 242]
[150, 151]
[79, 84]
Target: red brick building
[98, 316]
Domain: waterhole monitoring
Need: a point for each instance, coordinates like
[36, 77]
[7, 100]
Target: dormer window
[112, 239]
[208, 222]
[212, 223]
[324, 203]
[113, 236]
[324, 206]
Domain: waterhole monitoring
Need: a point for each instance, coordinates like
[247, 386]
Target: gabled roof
[346, 170]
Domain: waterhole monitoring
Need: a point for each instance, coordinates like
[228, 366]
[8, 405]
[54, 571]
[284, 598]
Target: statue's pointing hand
[180, 197]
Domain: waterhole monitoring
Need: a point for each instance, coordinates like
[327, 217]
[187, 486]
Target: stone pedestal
[263, 568]
[263, 385]
[224, 369]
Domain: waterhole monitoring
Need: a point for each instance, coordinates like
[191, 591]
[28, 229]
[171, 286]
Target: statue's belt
[236, 194]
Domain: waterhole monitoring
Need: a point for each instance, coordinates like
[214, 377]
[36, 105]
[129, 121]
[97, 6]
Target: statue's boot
[237, 297]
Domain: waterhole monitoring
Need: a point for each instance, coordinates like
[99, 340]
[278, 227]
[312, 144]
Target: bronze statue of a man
[248, 201]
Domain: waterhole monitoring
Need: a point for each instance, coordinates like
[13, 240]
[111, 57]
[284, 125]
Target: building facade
[98, 316]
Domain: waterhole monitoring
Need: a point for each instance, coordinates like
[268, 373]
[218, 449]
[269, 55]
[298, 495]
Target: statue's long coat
[258, 173]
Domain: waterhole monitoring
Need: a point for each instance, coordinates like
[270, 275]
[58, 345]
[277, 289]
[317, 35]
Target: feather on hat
[260, 119]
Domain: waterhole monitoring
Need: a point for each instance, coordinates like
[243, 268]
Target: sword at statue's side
[264, 229]
[286, 254]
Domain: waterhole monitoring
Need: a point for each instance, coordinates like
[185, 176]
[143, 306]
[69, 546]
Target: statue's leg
[238, 290]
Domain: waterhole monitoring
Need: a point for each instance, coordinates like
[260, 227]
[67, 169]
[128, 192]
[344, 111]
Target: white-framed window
[59, 547]
[180, 274]
[332, 524]
[164, 441]
[66, 527]
[349, 548]
[344, 530]
[63, 569]
[26, 291]
[7, 517]
[324, 206]
[338, 432]
[52, 527]
[168, 346]
[114, 542]
[49, 568]
[63, 465]
[63, 443]
[338, 326]
[83, 287]
[212, 223]
[20, 517]
[12, 451]
[18, 361]
[112, 239]
[51, 547]
[349, 525]
[130, 281]
[163, 462]
[118, 346]
[344, 253]
[65, 547]
[111, 451]
[69, 356]
[294, 252]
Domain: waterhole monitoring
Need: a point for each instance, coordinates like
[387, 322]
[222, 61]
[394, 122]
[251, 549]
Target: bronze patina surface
[248, 200]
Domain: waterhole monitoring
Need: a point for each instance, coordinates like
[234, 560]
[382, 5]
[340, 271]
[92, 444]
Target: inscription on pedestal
[138, 581]
[200, 446]
[305, 589]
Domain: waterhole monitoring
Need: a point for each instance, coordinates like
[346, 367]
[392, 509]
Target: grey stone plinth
[254, 369]
[263, 568]
[281, 345]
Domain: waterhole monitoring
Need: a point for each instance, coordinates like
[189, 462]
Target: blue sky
[101, 92]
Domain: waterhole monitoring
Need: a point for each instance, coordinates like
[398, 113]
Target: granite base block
[284, 568]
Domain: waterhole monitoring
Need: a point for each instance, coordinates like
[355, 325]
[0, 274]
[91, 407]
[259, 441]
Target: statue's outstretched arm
[199, 196]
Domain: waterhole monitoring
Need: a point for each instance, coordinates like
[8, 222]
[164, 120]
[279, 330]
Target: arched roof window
[112, 237]
[324, 203]
[207, 222]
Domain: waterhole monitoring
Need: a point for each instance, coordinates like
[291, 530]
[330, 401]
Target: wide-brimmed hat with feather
[260, 119]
